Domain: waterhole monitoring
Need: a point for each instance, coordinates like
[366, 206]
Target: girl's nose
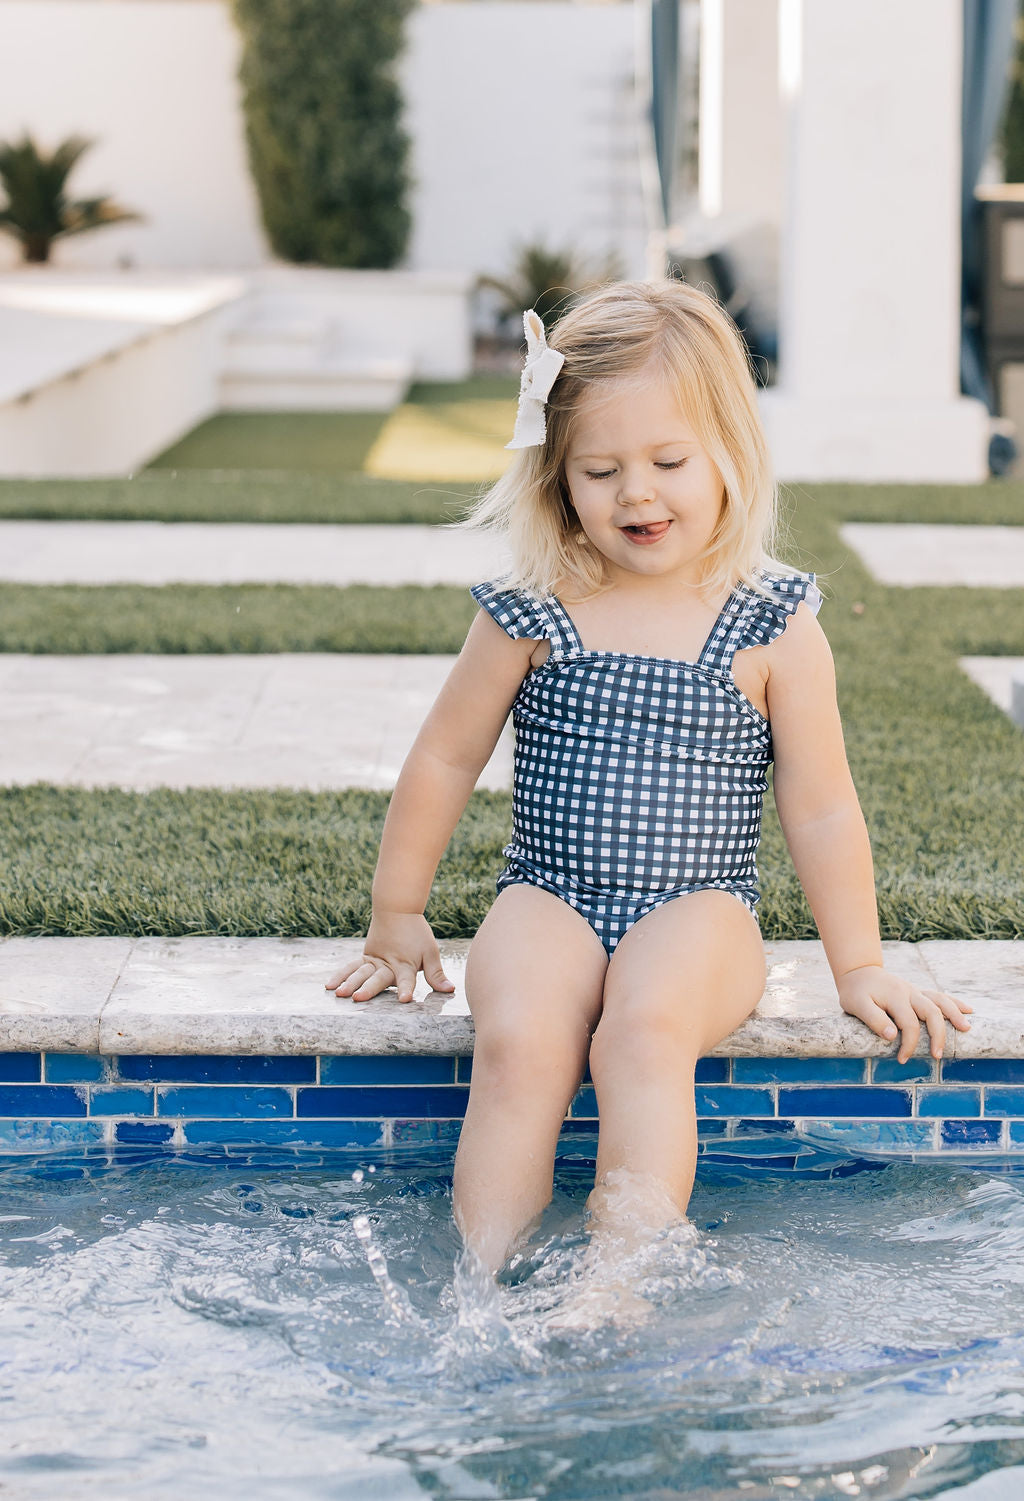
[635, 489]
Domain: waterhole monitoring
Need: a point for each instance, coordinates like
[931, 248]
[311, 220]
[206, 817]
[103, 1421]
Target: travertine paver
[159, 552]
[996, 675]
[266, 995]
[53, 990]
[908, 554]
[316, 720]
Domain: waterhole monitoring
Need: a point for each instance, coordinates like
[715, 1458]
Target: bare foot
[593, 1303]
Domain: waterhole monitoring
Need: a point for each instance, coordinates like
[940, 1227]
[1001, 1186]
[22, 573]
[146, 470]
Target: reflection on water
[285, 1326]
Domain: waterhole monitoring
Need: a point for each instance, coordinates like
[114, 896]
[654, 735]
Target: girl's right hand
[398, 945]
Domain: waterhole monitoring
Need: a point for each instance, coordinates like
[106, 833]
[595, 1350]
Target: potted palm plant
[38, 210]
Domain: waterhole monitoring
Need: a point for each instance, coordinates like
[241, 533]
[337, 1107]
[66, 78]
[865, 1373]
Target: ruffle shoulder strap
[519, 614]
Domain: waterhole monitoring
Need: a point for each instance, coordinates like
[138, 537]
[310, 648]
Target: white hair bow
[542, 365]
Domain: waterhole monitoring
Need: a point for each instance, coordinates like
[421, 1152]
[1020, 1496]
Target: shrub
[326, 146]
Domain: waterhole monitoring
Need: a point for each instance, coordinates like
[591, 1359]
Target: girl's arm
[828, 840]
[452, 748]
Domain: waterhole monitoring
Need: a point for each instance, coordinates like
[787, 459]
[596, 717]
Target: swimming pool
[173, 1323]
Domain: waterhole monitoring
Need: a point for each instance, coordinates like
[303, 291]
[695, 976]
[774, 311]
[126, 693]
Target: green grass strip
[238, 496]
[281, 495]
[188, 618]
[995, 503]
[73, 619]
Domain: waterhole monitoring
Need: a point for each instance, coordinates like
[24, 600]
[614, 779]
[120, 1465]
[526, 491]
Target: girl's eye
[606, 474]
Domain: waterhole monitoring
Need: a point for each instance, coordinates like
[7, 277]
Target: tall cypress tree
[327, 149]
[1013, 120]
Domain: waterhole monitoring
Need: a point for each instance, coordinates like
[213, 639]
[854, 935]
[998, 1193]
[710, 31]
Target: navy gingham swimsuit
[638, 779]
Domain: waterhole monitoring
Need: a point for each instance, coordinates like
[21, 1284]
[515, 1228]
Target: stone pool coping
[266, 996]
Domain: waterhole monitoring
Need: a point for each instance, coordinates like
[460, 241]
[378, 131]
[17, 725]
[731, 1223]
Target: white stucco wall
[869, 331]
[522, 118]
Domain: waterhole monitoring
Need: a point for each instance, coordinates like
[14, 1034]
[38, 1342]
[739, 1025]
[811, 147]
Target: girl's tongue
[651, 532]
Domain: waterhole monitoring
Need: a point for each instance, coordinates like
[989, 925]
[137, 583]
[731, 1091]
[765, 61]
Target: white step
[279, 384]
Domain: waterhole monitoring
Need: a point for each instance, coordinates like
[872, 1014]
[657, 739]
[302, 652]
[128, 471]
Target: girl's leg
[534, 978]
[681, 979]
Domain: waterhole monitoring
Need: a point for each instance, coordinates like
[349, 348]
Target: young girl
[655, 659]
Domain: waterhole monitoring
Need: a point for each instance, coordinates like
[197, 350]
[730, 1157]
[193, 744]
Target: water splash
[396, 1299]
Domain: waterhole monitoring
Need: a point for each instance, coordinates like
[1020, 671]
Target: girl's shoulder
[767, 609]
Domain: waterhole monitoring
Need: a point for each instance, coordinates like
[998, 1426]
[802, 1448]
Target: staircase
[289, 363]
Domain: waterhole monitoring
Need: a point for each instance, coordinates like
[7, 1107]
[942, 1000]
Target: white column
[870, 294]
[740, 113]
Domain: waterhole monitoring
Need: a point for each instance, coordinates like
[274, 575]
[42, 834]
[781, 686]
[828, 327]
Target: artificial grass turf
[187, 618]
[281, 495]
[312, 442]
[236, 496]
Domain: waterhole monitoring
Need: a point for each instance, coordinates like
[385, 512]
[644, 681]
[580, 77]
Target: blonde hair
[687, 339]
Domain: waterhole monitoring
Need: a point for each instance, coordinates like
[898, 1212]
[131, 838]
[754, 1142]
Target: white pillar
[740, 114]
[869, 322]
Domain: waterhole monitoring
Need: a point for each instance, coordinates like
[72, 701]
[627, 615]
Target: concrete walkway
[976, 556]
[313, 720]
[159, 552]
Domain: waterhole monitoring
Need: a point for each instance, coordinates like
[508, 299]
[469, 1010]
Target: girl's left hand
[879, 999]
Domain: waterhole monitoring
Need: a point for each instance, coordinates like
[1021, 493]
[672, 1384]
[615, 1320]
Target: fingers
[906, 1013]
[366, 978]
[434, 974]
[342, 975]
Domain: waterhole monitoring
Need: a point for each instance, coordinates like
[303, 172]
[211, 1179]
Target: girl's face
[645, 491]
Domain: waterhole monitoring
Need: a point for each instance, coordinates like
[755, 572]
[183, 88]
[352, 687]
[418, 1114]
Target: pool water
[275, 1326]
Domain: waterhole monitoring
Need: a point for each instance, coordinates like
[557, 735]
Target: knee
[643, 1036]
[513, 1059]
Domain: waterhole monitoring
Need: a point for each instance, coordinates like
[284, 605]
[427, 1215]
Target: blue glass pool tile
[113, 1099]
[867, 1137]
[216, 1069]
[777, 1126]
[714, 1071]
[464, 1069]
[844, 1100]
[971, 1133]
[142, 1133]
[733, 1099]
[765, 1143]
[1016, 1133]
[1001, 1101]
[708, 1127]
[74, 1068]
[42, 1099]
[584, 1105]
[219, 1101]
[765, 1164]
[891, 1071]
[393, 1068]
[799, 1070]
[21, 1068]
[383, 1100]
[408, 1133]
[350, 1133]
[40, 1135]
[983, 1070]
[938, 1100]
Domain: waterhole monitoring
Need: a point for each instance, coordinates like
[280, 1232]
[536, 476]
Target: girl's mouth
[647, 534]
